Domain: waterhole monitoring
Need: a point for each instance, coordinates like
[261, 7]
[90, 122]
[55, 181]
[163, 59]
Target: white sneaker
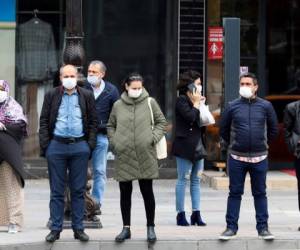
[12, 229]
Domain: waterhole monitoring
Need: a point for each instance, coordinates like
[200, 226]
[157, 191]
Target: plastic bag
[206, 118]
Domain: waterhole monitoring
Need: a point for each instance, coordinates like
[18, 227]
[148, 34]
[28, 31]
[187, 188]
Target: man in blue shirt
[105, 95]
[67, 136]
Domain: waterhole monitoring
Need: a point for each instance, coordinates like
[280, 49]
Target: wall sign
[215, 43]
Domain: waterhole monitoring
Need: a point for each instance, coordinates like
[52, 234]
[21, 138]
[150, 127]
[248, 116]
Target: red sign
[215, 43]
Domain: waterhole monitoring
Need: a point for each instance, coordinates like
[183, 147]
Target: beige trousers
[11, 197]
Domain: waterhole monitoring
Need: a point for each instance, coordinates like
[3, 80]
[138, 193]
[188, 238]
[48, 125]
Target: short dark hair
[132, 77]
[250, 75]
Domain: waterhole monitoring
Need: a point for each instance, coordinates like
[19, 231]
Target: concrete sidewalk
[276, 180]
[283, 209]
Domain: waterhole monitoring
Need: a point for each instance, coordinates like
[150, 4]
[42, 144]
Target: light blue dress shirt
[69, 119]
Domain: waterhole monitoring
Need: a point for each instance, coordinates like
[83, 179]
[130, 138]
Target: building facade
[159, 39]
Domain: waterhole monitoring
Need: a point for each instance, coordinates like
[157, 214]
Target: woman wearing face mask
[186, 145]
[133, 142]
[12, 130]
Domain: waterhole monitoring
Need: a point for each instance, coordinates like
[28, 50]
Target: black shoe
[97, 209]
[181, 220]
[79, 234]
[266, 235]
[228, 234]
[196, 219]
[125, 234]
[53, 236]
[151, 236]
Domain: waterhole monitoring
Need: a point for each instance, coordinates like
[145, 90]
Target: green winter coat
[132, 139]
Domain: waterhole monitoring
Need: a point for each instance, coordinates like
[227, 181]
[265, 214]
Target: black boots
[125, 234]
[181, 220]
[151, 236]
[196, 219]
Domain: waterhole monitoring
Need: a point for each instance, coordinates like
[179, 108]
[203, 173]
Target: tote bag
[161, 146]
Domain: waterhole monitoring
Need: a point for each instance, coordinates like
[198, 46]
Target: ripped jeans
[186, 170]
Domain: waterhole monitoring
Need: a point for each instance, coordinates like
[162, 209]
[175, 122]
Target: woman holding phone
[187, 146]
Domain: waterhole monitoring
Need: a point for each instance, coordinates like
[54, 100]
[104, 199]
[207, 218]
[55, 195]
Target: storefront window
[39, 43]
[134, 36]
[247, 11]
[127, 36]
[283, 50]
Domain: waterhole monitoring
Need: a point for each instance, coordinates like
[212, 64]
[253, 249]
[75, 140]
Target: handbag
[161, 145]
[200, 151]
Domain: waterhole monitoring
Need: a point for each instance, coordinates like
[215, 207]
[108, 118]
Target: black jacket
[104, 103]
[49, 114]
[188, 133]
[10, 148]
[291, 122]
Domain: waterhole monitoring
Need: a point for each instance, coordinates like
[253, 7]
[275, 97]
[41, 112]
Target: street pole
[231, 59]
[74, 54]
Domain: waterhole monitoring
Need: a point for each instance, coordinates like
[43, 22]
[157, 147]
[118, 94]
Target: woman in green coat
[132, 139]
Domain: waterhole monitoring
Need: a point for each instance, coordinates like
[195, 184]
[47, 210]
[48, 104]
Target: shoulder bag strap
[151, 112]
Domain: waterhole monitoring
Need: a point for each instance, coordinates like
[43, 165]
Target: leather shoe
[53, 236]
[81, 235]
[151, 236]
[125, 234]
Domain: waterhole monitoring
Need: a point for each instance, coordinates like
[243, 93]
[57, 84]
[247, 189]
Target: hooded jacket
[132, 139]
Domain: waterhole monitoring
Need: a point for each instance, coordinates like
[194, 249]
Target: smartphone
[191, 87]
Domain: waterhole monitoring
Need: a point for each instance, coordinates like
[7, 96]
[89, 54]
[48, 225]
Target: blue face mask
[94, 80]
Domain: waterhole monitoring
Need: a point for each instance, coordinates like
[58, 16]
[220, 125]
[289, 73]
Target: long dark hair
[130, 78]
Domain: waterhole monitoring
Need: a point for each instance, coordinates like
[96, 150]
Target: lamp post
[74, 54]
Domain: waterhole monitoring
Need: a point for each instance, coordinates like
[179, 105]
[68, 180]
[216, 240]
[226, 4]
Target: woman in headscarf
[12, 130]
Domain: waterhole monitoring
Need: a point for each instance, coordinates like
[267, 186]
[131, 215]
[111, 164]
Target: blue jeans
[74, 158]
[187, 170]
[237, 173]
[99, 161]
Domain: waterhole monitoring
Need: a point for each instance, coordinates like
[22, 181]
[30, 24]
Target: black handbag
[200, 151]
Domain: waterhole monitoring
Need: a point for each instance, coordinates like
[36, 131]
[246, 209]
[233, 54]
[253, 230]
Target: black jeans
[148, 196]
[297, 167]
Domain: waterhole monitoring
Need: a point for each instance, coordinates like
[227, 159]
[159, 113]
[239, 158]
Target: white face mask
[246, 92]
[94, 80]
[3, 96]
[134, 93]
[199, 88]
[69, 83]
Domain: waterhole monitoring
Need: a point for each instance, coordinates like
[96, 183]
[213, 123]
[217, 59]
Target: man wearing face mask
[248, 124]
[67, 135]
[105, 95]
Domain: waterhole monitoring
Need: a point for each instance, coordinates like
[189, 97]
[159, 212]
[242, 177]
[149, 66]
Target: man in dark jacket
[105, 95]
[291, 121]
[247, 126]
[67, 136]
